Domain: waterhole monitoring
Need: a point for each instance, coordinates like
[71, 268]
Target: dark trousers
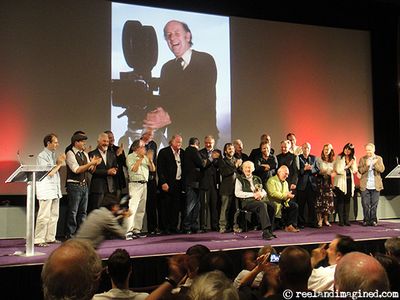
[192, 209]
[343, 206]
[303, 198]
[171, 206]
[260, 209]
[151, 206]
[208, 207]
[290, 213]
[94, 201]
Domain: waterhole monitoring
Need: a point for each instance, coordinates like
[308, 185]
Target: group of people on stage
[194, 190]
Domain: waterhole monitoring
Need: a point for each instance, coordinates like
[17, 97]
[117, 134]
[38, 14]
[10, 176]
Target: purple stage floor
[173, 244]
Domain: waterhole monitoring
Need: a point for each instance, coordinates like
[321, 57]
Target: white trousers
[46, 221]
[137, 205]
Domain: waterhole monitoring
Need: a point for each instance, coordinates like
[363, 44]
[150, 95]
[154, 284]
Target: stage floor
[173, 244]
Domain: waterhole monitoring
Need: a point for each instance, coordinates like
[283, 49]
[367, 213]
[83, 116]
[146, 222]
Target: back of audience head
[217, 261]
[119, 267]
[213, 285]
[392, 247]
[197, 250]
[295, 268]
[392, 268]
[72, 271]
[358, 271]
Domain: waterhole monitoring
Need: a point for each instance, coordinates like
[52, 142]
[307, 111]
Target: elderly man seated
[278, 192]
[249, 190]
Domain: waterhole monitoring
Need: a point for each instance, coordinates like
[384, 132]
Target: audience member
[103, 223]
[253, 273]
[357, 271]
[392, 247]
[119, 268]
[48, 193]
[213, 286]
[392, 268]
[322, 278]
[72, 271]
[295, 268]
[370, 167]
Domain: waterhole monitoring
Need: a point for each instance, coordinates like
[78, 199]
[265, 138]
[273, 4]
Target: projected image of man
[187, 87]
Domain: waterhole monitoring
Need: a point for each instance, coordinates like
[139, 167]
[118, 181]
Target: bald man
[72, 271]
[358, 271]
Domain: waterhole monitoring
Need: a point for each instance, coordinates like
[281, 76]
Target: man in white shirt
[48, 192]
[322, 278]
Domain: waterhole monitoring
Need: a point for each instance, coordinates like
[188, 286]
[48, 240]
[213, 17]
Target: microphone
[19, 157]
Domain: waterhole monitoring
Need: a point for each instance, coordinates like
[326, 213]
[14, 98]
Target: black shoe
[300, 226]
[341, 224]
[374, 224]
[364, 224]
[347, 224]
[267, 235]
[187, 232]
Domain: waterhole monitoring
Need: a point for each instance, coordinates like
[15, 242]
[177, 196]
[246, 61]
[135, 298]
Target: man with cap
[78, 167]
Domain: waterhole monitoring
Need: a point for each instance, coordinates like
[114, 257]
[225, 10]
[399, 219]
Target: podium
[395, 173]
[30, 174]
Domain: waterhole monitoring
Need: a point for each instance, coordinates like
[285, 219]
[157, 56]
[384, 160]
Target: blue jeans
[192, 209]
[369, 200]
[77, 206]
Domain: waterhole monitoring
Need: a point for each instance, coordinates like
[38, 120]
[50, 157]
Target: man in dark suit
[121, 161]
[307, 186]
[188, 78]
[170, 163]
[104, 179]
[191, 171]
[209, 185]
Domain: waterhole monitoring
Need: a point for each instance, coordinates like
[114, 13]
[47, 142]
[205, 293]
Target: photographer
[103, 223]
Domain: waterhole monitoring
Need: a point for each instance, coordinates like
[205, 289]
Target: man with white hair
[249, 189]
[357, 271]
[104, 179]
[370, 167]
[278, 192]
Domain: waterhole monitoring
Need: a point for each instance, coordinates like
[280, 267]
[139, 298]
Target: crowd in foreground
[331, 271]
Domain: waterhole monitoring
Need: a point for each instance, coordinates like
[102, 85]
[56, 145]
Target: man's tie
[180, 62]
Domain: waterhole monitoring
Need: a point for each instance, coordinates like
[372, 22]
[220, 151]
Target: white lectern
[30, 174]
